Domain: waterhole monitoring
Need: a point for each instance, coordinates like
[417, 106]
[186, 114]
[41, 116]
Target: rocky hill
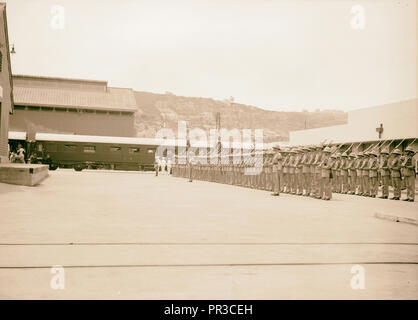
[158, 110]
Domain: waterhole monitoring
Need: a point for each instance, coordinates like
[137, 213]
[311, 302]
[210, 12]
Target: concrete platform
[131, 235]
[23, 174]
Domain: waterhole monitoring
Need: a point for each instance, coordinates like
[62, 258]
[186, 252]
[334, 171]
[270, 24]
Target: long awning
[17, 135]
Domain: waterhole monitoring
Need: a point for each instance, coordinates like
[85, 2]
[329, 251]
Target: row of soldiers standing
[314, 171]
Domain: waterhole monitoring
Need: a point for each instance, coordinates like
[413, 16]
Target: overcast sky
[280, 55]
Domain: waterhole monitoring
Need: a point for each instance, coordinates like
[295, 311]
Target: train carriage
[80, 151]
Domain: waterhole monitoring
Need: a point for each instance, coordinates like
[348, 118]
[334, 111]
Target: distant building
[395, 121]
[6, 85]
[71, 106]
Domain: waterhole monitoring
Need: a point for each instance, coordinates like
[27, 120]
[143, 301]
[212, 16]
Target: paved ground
[131, 235]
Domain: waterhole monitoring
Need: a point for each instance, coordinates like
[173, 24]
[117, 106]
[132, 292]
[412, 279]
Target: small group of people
[18, 155]
[161, 164]
[315, 171]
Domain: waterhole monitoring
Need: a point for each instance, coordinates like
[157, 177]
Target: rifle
[370, 147]
[349, 147]
[412, 142]
[381, 146]
[329, 143]
[397, 145]
[338, 148]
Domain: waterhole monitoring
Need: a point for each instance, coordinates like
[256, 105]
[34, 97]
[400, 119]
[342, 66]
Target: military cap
[352, 155]
[397, 151]
[344, 154]
[326, 149]
[409, 149]
[360, 154]
[276, 147]
[384, 151]
[374, 153]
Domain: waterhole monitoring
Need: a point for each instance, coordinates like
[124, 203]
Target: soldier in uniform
[264, 171]
[269, 171]
[325, 190]
[365, 175]
[395, 172]
[344, 173]
[156, 166]
[190, 164]
[384, 173]
[373, 168]
[299, 172]
[333, 179]
[318, 172]
[408, 173]
[352, 173]
[358, 163]
[240, 173]
[276, 171]
[291, 165]
[306, 170]
[286, 172]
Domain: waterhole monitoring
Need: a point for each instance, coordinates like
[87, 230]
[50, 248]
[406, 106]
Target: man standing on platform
[395, 171]
[277, 169]
[408, 173]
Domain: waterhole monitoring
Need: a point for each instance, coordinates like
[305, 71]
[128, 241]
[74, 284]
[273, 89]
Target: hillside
[156, 109]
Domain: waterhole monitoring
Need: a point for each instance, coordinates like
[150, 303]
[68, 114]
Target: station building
[6, 85]
[71, 106]
[394, 122]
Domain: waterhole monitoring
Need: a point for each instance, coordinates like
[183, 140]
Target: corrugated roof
[114, 99]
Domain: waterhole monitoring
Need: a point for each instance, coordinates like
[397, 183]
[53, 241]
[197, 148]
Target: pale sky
[275, 54]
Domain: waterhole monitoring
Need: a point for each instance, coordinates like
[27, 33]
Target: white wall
[400, 120]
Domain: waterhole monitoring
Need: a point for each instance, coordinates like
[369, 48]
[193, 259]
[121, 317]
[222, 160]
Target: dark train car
[79, 152]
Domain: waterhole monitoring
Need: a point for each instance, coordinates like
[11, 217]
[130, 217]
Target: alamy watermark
[58, 278]
[57, 17]
[358, 280]
[223, 146]
[358, 17]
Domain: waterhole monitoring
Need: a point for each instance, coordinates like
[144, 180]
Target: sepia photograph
[208, 150]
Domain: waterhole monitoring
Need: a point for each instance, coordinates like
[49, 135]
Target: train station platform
[23, 174]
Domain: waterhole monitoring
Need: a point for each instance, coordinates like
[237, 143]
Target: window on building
[150, 150]
[70, 147]
[133, 150]
[17, 107]
[114, 149]
[40, 147]
[89, 149]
